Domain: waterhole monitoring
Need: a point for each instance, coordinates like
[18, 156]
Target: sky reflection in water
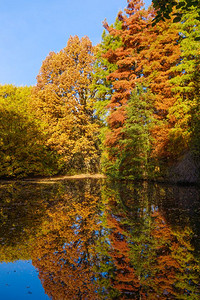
[19, 280]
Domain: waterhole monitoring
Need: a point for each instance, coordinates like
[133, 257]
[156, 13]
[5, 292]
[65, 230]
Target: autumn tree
[186, 110]
[135, 158]
[123, 79]
[158, 57]
[145, 56]
[22, 142]
[64, 102]
[101, 85]
[164, 58]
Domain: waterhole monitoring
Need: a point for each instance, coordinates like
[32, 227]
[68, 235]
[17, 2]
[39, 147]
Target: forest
[128, 107]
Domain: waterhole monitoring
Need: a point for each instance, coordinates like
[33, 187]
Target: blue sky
[30, 29]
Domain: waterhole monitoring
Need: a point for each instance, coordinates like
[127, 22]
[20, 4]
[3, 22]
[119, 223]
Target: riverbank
[53, 179]
[56, 178]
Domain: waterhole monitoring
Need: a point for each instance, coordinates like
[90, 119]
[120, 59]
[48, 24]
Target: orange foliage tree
[147, 57]
[126, 58]
[160, 54]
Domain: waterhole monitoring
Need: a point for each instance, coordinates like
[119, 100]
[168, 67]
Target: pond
[95, 239]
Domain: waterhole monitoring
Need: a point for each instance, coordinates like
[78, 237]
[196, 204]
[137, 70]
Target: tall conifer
[126, 57]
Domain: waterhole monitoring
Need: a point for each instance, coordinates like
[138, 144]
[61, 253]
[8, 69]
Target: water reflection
[152, 257]
[90, 239]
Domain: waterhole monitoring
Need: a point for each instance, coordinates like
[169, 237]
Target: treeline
[128, 107]
[51, 128]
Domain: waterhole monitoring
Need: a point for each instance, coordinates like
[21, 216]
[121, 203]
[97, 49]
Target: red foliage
[126, 58]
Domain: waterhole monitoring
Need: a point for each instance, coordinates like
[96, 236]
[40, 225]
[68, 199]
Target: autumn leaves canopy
[154, 103]
[65, 104]
[128, 106]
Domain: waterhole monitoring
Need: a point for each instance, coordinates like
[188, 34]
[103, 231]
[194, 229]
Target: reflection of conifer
[150, 258]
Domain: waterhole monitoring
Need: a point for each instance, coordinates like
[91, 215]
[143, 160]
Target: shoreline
[53, 179]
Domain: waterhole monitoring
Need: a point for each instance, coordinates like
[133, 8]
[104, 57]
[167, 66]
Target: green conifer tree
[134, 161]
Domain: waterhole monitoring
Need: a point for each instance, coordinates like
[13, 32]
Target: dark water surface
[93, 239]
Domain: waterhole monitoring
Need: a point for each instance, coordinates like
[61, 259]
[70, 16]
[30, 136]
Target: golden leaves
[63, 100]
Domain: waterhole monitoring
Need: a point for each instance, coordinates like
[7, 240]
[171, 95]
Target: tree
[64, 102]
[146, 57]
[134, 159]
[101, 85]
[160, 54]
[22, 142]
[123, 79]
[186, 109]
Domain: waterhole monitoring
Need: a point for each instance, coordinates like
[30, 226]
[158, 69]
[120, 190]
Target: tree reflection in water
[161, 256]
[98, 240]
[65, 253]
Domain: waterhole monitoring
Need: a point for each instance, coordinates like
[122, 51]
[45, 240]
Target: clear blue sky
[30, 29]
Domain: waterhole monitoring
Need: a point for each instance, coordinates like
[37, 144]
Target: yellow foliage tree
[63, 101]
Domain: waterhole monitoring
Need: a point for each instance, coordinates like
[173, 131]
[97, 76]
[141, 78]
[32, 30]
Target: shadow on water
[94, 239]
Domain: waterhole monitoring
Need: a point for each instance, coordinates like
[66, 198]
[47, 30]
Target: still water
[94, 239]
